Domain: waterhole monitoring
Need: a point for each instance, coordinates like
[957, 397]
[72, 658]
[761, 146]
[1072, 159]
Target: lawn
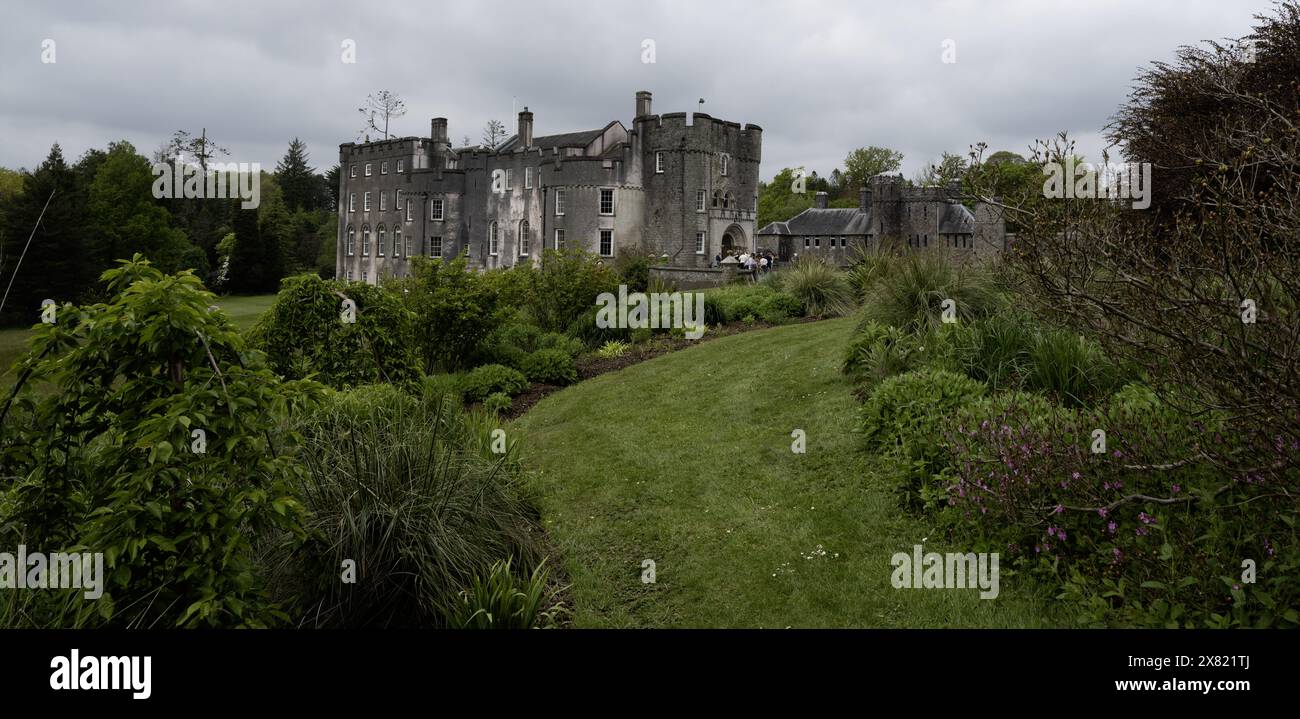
[243, 311]
[686, 460]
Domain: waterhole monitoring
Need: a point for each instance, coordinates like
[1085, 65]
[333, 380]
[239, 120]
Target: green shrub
[878, 352]
[566, 287]
[780, 307]
[304, 334]
[455, 310]
[633, 269]
[993, 349]
[911, 295]
[552, 366]
[555, 340]
[150, 433]
[732, 303]
[442, 385]
[402, 488]
[590, 334]
[503, 601]
[906, 416]
[641, 335]
[820, 288]
[488, 379]
[498, 403]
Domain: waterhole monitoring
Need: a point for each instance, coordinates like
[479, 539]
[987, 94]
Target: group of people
[753, 264]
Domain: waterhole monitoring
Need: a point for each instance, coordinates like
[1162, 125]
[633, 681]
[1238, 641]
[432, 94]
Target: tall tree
[297, 179]
[123, 217]
[494, 133]
[53, 266]
[379, 109]
[254, 261]
[950, 168]
[865, 162]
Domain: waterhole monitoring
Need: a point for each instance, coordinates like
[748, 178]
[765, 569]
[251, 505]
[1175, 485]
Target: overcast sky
[820, 78]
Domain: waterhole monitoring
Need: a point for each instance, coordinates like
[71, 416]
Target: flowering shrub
[1147, 532]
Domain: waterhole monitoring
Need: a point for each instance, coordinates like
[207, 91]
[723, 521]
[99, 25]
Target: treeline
[64, 223]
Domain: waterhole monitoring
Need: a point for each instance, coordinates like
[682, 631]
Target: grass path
[686, 460]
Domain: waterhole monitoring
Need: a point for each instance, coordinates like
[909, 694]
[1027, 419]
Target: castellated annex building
[681, 188]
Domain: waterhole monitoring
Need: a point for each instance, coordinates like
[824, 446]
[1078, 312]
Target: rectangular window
[397, 201]
[606, 201]
[699, 200]
[807, 243]
[725, 161]
[607, 243]
[365, 202]
[699, 243]
[510, 178]
[559, 239]
[409, 213]
[409, 240]
[559, 203]
[352, 170]
[435, 209]
[365, 276]
[528, 178]
[401, 165]
[492, 239]
[383, 168]
[368, 169]
[349, 275]
[435, 246]
[383, 201]
[659, 163]
[352, 202]
[817, 242]
[525, 240]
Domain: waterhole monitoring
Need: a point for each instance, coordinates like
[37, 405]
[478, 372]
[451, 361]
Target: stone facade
[666, 186]
[890, 214]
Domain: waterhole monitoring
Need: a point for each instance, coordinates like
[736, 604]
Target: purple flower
[1176, 489]
[1101, 512]
[1059, 509]
[1112, 527]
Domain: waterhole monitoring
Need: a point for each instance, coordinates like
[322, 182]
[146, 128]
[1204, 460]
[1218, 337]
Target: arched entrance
[733, 241]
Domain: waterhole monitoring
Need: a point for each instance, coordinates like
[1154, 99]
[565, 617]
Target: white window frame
[701, 201]
[525, 238]
[397, 200]
[368, 171]
[436, 209]
[528, 178]
[383, 201]
[600, 207]
[560, 239]
[352, 202]
[510, 178]
[380, 236]
[365, 240]
[494, 239]
[600, 242]
[559, 203]
[401, 166]
[435, 246]
[701, 239]
[351, 242]
[365, 202]
[659, 163]
[383, 167]
[407, 244]
[410, 216]
[726, 162]
[352, 170]
[398, 245]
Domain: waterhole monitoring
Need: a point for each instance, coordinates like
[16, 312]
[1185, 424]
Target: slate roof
[547, 142]
[815, 221]
[956, 220]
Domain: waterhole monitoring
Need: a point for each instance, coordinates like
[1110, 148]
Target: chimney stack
[525, 130]
[438, 129]
[819, 200]
[643, 103]
[864, 198]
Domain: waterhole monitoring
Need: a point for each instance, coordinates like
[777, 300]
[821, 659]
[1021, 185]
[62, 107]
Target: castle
[682, 189]
[890, 213]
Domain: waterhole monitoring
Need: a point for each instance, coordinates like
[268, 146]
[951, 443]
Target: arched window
[492, 238]
[726, 201]
[397, 242]
[524, 238]
[352, 240]
[380, 249]
[365, 240]
[717, 198]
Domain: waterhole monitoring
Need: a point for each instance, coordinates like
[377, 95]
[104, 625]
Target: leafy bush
[157, 439]
[911, 295]
[304, 334]
[993, 349]
[555, 340]
[590, 334]
[613, 349]
[501, 601]
[633, 269]
[780, 307]
[566, 287]
[820, 288]
[905, 416]
[455, 309]
[733, 303]
[488, 379]
[442, 385]
[498, 403]
[401, 488]
[878, 352]
[553, 366]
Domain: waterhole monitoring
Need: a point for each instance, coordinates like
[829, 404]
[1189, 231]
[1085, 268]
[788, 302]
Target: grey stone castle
[890, 214]
[683, 189]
